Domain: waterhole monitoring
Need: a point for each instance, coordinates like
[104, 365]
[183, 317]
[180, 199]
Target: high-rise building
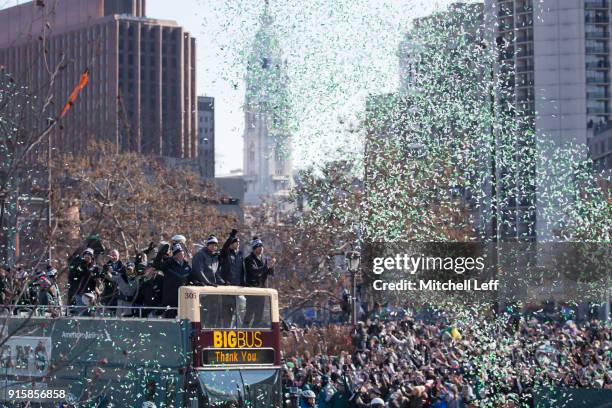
[600, 149]
[141, 94]
[206, 132]
[464, 18]
[267, 140]
[436, 48]
[560, 51]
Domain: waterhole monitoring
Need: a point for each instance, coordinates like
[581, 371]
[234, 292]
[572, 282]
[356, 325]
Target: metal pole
[354, 296]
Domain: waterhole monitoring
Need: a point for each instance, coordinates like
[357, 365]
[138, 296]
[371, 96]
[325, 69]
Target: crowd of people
[492, 361]
[147, 286]
[401, 361]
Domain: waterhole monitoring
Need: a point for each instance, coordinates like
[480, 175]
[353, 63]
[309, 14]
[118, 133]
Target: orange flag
[75, 92]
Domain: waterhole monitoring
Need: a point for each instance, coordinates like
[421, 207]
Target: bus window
[235, 312]
[221, 388]
[261, 388]
[256, 313]
[238, 388]
[217, 311]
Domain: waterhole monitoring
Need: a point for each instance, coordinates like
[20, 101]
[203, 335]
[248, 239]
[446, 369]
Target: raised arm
[227, 243]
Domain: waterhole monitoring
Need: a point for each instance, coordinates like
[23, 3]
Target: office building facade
[600, 150]
[141, 95]
[560, 51]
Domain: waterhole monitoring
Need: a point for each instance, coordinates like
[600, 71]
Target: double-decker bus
[222, 351]
[235, 340]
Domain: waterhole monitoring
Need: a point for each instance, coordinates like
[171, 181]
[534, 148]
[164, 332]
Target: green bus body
[95, 361]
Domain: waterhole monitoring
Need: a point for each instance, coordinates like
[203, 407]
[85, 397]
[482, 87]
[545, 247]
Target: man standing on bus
[206, 265]
[84, 278]
[257, 271]
[231, 262]
[204, 273]
[231, 270]
[176, 274]
[116, 269]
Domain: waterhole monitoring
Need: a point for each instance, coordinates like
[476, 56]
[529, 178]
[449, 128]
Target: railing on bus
[121, 312]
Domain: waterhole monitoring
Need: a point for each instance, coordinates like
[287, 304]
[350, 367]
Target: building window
[252, 152]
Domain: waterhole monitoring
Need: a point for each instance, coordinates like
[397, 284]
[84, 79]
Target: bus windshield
[240, 388]
[235, 312]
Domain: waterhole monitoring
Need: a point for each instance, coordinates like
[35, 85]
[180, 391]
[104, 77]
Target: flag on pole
[75, 92]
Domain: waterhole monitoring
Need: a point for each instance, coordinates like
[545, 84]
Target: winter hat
[376, 402]
[212, 240]
[256, 242]
[176, 248]
[234, 239]
[51, 272]
[88, 251]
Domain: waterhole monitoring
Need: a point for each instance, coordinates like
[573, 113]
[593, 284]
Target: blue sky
[337, 51]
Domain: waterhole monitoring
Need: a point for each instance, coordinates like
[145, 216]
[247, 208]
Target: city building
[232, 188]
[560, 51]
[436, 47]
[141, 94]
[464, 18]
[600, 150]
[206, 134]
[267, 140]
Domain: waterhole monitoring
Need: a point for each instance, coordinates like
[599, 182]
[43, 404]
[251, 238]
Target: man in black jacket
[176, 274]
[206, 265]
[149, 290]
[231, 270]
[204, 273]
[257, 271]
[231, 261]
[83, 278]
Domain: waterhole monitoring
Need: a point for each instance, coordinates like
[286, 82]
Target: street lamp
[352, 264]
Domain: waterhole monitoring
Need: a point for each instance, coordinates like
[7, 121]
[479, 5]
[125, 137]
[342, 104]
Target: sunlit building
[141, 94]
